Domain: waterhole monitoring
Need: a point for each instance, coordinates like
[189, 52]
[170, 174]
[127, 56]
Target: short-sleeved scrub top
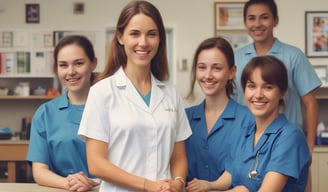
[282, 148]
[207, 152]
[54, 140]
[302, 79]
[140, 137]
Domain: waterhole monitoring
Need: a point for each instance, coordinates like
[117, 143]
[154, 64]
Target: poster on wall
[32, 13]
[316, 33]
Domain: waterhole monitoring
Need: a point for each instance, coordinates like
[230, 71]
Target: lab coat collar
[123, 82]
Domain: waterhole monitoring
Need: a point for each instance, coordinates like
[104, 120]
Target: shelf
[32, 97]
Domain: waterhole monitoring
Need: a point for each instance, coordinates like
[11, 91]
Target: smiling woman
[134, 80]
[58, 156]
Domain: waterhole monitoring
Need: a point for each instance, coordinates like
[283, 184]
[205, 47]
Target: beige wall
[191, 21]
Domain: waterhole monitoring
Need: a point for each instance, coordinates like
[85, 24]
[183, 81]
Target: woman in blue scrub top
[218, 117]
[134, 122]
[271, 155]
[57, 154]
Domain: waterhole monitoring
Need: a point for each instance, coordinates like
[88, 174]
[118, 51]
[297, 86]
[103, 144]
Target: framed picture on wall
[228, 15]
[32, 13]
[316, 33]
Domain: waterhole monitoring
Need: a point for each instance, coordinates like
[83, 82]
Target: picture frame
[32, 13]
[228, 15]
[316, 33]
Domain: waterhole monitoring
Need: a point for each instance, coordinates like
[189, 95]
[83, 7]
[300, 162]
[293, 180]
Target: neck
[213, 104]
[263, 47]
[140, 78]
[78, 98]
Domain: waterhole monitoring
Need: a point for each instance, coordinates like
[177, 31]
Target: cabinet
[16, 151]
[319, 169]
[14, 108]
[25, 56]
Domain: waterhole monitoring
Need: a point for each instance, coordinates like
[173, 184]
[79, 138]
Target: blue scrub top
[207, 152]
[282, 148]
[54, 139]
[302, 78]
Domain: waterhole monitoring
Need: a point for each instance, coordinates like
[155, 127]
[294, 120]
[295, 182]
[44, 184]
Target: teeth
[71, 80]
[209, 82]
[142, 52]
[259, 103]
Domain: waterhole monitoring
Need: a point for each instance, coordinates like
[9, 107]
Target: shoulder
[288, 49]
[288, 132]
[245, 49]
[52, 106]
[195, 108]
[239, 108]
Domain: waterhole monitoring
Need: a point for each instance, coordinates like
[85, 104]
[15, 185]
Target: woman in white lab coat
[134, 122]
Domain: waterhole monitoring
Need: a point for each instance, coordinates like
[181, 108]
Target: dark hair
[79, 40]
[224, 46]
[116, 53]
[273, 71]
[270, 3]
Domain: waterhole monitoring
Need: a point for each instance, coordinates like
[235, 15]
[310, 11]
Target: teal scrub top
[282, 148]
[207, 152]
[54, 140]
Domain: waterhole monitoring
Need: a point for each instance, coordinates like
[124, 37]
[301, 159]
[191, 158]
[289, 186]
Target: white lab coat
[140, 138]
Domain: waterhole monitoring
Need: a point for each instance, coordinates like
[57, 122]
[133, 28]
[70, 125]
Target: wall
[191, 21]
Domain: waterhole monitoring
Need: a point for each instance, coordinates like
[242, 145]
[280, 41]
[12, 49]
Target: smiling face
[213, 72]
[262, 98]
[260, 22]
[140, 40]
[74, 68]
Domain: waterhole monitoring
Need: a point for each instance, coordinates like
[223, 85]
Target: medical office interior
[187, 22]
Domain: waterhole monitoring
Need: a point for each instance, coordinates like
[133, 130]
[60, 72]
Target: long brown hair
[116, 54]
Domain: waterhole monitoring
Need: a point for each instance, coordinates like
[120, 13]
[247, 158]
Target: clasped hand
[79, 182]
[165, 185]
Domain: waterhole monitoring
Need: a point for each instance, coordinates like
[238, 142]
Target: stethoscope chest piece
[252, 174]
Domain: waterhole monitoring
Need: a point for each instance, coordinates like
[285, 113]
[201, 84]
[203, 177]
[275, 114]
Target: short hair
[270, 3]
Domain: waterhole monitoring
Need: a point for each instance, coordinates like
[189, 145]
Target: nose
[257, 22]
[208, 74]
[143, 40]
[258, 93]
[71, 70]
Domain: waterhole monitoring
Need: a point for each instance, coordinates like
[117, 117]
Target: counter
[13, 151]
[31, 187]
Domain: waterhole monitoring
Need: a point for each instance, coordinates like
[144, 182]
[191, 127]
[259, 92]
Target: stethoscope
[253, 172]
